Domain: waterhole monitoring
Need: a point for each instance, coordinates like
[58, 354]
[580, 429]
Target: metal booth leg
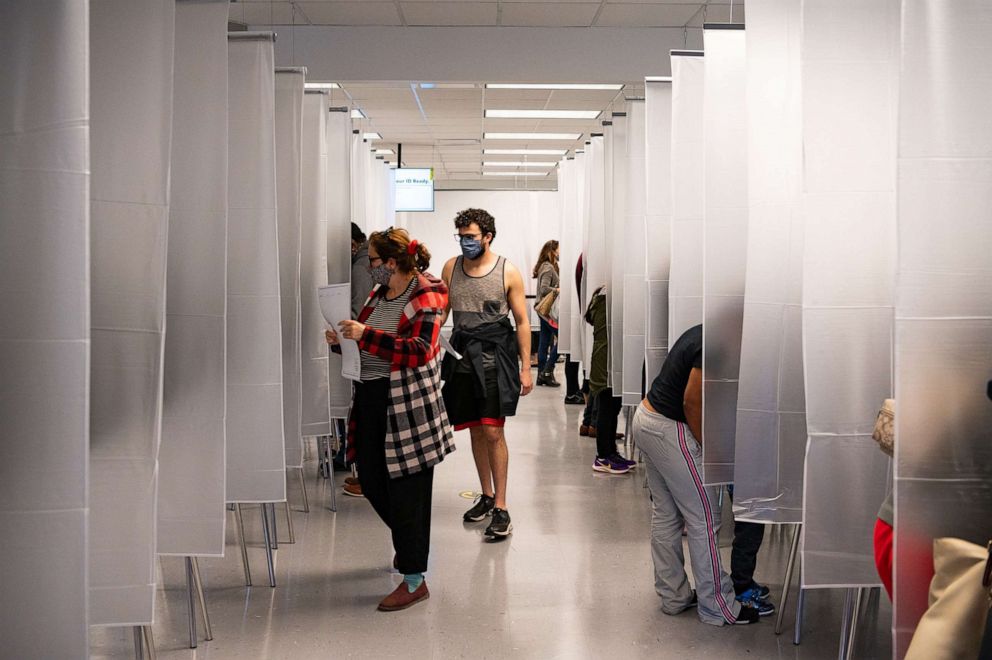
[787, 582]
[267, 533]
[198, 584]
[239, 519]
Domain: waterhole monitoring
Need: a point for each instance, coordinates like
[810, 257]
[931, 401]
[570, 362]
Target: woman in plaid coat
[398, 428]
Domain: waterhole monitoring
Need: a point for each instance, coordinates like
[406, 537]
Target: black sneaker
[747, 615]
[501, 525]
[574, 399]
[483, 506]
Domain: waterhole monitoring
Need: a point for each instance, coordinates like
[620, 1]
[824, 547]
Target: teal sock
[413, 581]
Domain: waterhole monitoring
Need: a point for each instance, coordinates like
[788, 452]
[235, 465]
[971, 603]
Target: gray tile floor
[574, 580]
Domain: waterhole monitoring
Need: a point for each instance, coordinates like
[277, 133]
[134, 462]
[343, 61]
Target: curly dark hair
[486, 222]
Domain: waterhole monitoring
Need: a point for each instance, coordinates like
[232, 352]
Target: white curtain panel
[358, 150]
[289, 190]
[131, 60]
[191, 514]
[685, 286]
[595, 259]
[568, 252]
[849, 77]
[633, 317]
[256, 456]
[724, 242]
[339, 207]
[576, 323]
[313, 269]
[943, 351]
[771, 405]
[607, 233]
[45, 330]
[657, 237]
[618, 248]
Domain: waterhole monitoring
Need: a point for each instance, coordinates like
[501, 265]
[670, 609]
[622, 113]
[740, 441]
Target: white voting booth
[632, 314]
[131, 60]
[45, 333]
[944, 294]
[657, 221]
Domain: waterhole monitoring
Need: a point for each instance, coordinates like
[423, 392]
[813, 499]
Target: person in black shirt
[667, 427]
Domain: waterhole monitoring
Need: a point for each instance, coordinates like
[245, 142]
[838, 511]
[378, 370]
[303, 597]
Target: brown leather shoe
[355, 490]
[401, 598]
[351, 480]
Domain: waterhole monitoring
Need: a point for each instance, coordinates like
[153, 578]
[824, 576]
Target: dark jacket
[500, 338]
[596, 317]
[361, 280]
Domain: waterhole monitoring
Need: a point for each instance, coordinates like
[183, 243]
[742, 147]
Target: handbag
[885, 427]
[960, 597]
[545, 305]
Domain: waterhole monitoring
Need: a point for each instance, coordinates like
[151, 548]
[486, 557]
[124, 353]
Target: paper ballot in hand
[335, 305]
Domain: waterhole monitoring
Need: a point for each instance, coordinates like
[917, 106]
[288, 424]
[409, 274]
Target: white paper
[446, 345]
[335, 305]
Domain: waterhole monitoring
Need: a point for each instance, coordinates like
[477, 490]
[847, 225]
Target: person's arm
[544, 286]
[692, 402]
[408, 352]
[449, 267]
[518, 305]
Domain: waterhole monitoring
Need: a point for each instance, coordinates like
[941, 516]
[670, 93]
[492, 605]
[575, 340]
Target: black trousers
[571, 377]
[606, 423]
[744, 554]
[404, 503]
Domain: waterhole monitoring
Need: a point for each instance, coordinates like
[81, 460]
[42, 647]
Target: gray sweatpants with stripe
[673, 457]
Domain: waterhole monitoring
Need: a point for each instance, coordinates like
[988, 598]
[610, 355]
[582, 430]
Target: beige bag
[545, 305]
[885, 427]
[959, 604]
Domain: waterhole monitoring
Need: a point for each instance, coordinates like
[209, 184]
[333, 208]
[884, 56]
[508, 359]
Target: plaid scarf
[418, 434]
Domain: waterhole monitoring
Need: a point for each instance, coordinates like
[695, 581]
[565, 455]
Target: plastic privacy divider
[943, 352]
[191, 515]
[616, 233]
[45, 329]
[595, 264]
[131, 60]
[849, 61]
[339, 189]
[685, 286]
[724, 245]
[609, 237]
[657, 237]
[771, 403]
[313, 270]
[576, 324]
[256, 456]
[289, 190]
[633, 318]
[571, 232]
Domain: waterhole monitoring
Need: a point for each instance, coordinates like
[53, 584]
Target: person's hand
[351, 329]
[331, 337]
[526, 384]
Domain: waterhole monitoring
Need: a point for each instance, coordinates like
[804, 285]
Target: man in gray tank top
[481, 390]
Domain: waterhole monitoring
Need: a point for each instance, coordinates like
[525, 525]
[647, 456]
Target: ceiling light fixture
[321, 85]
[563, 137]
[573, 86]
[356, 113]
[371, 136]
[514, 174]
[542, 114]
[385, 152]
[525, 152]
[496, 163]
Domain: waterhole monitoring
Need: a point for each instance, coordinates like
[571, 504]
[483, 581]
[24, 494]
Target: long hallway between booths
[573, 581]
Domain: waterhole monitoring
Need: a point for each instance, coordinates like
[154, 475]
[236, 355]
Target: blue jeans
[546, 344]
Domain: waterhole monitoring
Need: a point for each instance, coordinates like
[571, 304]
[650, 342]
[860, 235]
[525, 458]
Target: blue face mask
[471, 247]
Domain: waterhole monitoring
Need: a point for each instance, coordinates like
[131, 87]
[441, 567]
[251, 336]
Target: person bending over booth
[668, 430]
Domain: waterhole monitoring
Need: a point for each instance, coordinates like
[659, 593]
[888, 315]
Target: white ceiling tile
[646, 15]
[366, 12]
[449, 13]
[269, 13]
[547, 14]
